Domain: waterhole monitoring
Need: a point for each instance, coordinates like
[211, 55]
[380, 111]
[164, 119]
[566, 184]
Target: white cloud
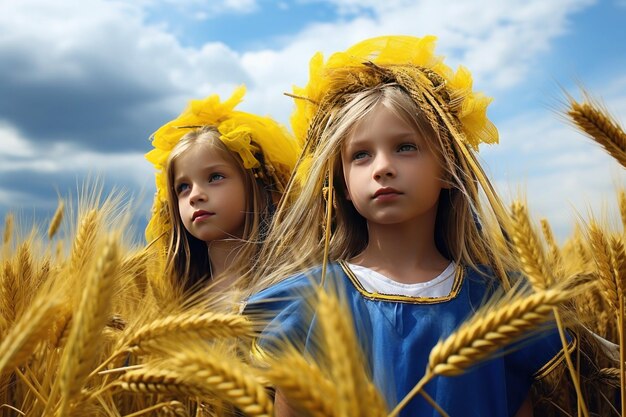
[564, 174]
[62, 41]
[498, 41]
[12, 145]
[62, 159]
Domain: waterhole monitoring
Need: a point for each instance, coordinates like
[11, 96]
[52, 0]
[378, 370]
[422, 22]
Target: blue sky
[83, 86]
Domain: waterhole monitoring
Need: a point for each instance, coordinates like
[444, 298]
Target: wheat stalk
[25, 278]
[206, 325]
[136, 261]
[486, 332]
[342, 350]
[160, 381]
[87, 325]
[136, 267]
[549, 236]
[56, 219]
[25, 264]
[303, 384]
[622, 353]
[9, 292]
[8, 229]
[602, 255]
[618, 264]
[167, 409]
[59, 331]
[598, 125]
[205, 375]
[10, 407]
[226, 378]
[174, 409]
[27, 332]
[528, 247]
[82, 247]
[43, 273]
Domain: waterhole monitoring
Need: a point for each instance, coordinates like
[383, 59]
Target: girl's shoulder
[296, 287]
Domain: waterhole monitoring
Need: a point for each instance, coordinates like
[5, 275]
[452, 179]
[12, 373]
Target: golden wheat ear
[30, 329]
[88, 323]
[56, 219]
[328, 376]
[306, 388]
[201, 370]
[207, 325]
[529, 248]
[605, 260]
[8, 229]
[594, 120]
[356, 393]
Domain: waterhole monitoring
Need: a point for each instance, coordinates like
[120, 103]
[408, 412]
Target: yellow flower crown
[245, 134]
[445, 96]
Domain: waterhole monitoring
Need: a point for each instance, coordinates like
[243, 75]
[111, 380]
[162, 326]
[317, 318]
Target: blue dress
[397, 333]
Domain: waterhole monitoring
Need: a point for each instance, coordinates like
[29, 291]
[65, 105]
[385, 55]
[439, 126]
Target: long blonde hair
[296, 239]
[188, 262]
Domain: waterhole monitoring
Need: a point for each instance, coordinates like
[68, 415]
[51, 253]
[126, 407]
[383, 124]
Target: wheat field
[89, 326]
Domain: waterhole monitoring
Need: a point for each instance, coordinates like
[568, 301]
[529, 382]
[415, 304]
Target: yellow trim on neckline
[456, 286]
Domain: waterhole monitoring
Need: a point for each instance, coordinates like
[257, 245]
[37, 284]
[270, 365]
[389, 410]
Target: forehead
[202, 155]
[380, 122]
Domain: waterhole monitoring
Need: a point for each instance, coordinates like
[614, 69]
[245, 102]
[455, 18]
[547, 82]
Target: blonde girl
[387, 210]
[220, 173]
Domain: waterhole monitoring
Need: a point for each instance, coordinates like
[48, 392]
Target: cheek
[238, 196]
[181, 208]
[355, 183]
[185, 221]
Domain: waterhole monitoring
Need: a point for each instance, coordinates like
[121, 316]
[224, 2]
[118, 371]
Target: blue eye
[181, 188]
[407, 147]
[216, 177]
[359, 155]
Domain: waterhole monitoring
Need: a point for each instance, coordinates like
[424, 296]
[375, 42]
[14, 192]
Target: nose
[383, 166]
[197, 194]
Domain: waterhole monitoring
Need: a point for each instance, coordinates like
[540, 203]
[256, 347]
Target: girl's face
[210, 191]
[391, 174]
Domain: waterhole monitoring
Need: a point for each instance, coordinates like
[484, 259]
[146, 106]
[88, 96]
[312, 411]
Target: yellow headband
[243, 133]
[407, 61]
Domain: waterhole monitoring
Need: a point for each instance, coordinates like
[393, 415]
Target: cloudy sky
[84, 84]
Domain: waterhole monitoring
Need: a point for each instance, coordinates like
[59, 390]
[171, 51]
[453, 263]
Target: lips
[200, 214]
[386, 192]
